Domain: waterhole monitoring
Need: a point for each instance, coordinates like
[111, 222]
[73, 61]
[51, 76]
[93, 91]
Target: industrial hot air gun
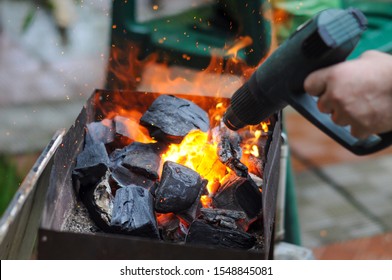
[324, 40]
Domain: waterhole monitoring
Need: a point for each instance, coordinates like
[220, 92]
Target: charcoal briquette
[179, 189]
[133, 212]
[170, 118]
[203, 233]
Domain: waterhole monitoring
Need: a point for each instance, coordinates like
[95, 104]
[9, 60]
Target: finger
[316, 83]
[339, 119]
[359, 132]
[325, 105]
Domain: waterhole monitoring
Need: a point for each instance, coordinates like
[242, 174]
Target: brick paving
[341, 196]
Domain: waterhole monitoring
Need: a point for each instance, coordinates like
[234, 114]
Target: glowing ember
[164, 218]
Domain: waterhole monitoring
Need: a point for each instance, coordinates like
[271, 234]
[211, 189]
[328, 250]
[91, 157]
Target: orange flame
[280, 16]
[253, 136]
[135, 130]
[241, 43]
[197, 153]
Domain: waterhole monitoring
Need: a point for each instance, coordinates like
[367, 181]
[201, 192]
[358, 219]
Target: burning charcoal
[190, 214]
[238, 193]
[229, 149]
[238, 167]
[202, 233]
[91, 165]
[133, 212]
[180, 189]
[261, 143]
[99, 202]
[170, 118]
[212, 213]
[100, 132]
[223, 217]
[171, 227]
[254, 164]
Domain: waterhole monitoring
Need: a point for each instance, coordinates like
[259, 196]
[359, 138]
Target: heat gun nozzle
[231, 121]
[244, 109]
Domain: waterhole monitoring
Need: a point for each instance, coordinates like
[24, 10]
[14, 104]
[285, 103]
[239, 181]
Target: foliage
[9, 182]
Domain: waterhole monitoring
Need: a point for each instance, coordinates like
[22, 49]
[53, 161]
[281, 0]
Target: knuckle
[335, 97]
[336, 72]
[369, 53]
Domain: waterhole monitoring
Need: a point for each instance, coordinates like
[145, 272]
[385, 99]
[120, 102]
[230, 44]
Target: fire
[250, 147]
[280, 16]
[206, 201]
[137, 132]
[264, 126]
[197, 151]
[126, 71]
[199, 154]
[241, 43]
[130, 120]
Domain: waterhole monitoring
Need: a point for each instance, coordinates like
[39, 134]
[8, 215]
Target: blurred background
[54, 53]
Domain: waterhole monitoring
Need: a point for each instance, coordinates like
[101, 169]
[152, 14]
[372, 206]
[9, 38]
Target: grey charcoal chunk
[179, 189]
[143, 159]
[223, 217]
[103, 199]
[202, 233]
[170, 118]
[99, 202]
[213, 213]
[100, 132]
[91, 156]
[241, 194]
[229, 149]
[91, 165]
[122, 177]
[133, 212]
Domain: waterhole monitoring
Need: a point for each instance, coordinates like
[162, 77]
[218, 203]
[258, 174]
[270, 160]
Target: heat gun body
[324, 40]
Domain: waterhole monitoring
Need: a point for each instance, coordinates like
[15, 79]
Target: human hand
[356, 93]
